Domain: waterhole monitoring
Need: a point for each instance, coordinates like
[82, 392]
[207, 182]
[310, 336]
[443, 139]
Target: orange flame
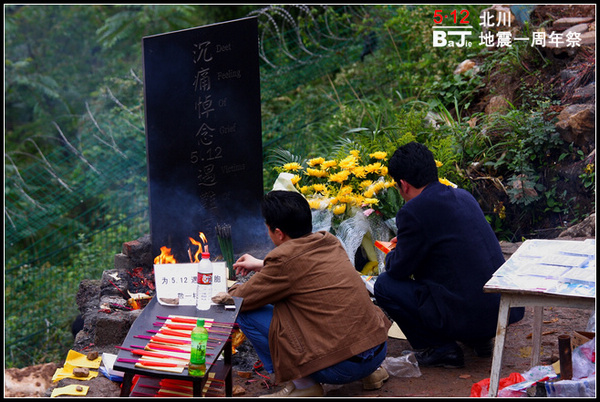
[196, 243]
[203, 238]
[199, 244]
[165, 256]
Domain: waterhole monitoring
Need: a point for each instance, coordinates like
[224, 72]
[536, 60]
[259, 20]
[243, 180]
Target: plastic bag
[402, 366]
[585, 387]
[584, 360]
[321, 219]
[591, 325]
[351, 232]
[539, 373]
[482, 388]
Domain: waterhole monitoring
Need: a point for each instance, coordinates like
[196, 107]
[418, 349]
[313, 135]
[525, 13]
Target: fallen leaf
[238, 390]
[543, 333]
[464, 376]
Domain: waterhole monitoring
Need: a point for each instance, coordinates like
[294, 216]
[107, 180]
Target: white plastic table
[520, 283]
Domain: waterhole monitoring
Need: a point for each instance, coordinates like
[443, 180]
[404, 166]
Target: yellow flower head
[316, 161]
[321, 188]
[355, 153]
[378, 186]
[348, 162]
[360, 172]
[328, 164]
[438, 163]
[378, 155]
[316, 172]
[344, 190]
[295, 179]
[370, 201]
[339, 209]
[314, 203]
[339, 177]
[373, 167]
[304, 190]
[292, 166]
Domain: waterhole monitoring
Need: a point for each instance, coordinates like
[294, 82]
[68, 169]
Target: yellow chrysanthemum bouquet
[353, 196]
[342, 185]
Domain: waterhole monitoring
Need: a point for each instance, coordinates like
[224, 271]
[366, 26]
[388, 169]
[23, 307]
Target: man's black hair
[287, 211]
[414, 163]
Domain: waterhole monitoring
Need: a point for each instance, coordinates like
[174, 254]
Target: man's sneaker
[448, 356]
[376, 379]
[290, 390]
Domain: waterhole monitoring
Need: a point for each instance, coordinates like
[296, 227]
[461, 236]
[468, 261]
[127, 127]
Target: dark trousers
[399, 298]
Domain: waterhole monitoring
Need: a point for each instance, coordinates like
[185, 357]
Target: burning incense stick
[224, 238]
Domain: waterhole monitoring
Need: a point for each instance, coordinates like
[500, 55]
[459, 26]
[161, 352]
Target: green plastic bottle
[197, 365]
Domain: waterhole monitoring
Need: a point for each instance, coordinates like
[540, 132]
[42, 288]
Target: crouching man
[306, 310]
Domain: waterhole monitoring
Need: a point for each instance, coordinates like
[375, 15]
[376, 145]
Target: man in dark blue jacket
[445, 253]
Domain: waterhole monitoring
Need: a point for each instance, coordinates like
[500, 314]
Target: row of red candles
[175, 388]
[159, 346]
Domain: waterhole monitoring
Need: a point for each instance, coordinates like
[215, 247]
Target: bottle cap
[200, 322]
[205, 255]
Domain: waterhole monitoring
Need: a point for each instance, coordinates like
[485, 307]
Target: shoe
[376, 379]
[483, 348]
[448, 356]
[290, 390]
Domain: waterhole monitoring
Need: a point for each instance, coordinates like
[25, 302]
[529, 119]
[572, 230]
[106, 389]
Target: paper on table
[178, 369]
[176, 283]
[108, 361]
[549, 266]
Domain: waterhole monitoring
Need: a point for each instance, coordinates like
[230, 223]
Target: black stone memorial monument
[203, 135]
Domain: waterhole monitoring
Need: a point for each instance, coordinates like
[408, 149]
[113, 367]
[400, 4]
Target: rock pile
[108, 305]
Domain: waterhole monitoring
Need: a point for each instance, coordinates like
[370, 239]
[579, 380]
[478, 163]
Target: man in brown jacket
[305, 309]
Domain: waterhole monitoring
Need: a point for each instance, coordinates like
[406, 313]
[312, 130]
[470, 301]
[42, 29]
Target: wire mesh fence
[67, 215]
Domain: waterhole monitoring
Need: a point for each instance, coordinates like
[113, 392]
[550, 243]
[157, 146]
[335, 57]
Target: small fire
[165, 256]
[195, 243]
[199, 244]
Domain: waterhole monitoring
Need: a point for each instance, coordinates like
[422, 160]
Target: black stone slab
[203, 135]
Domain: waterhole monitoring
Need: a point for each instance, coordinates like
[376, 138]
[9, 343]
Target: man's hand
[246, 264]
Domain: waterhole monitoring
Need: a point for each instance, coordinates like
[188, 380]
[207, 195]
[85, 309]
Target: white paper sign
[176, 283]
